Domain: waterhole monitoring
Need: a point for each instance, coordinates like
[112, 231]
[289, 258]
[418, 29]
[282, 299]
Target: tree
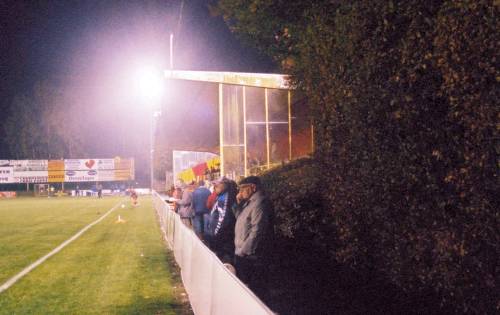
[22, 130]
[62, 121]
[44, 125]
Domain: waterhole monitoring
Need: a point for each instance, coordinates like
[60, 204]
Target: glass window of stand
[232, 131]
[261, 128]
[279, 137]
[301, 130]
[256, 130]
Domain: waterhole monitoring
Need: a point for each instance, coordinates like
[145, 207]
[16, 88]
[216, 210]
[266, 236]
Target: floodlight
[150, 83]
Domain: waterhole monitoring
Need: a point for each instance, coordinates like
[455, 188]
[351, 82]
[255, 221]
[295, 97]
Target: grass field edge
[41, 260]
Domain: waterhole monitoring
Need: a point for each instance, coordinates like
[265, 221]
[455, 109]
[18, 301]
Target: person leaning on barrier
[176, 196]
[186, 211]
[221, 226]
[200, 196]
[207, 217]
[252, 233]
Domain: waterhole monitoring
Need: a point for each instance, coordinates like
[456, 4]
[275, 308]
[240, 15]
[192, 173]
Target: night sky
[87, 45]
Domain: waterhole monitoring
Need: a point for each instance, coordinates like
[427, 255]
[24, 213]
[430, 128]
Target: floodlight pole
[171, 51]
[151, 149]
[154, 116]
[151, 90]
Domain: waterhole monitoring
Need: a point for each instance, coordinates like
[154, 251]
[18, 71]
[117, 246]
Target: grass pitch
[113, 268]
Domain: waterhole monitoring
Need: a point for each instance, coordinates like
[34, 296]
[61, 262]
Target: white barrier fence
[211, 287]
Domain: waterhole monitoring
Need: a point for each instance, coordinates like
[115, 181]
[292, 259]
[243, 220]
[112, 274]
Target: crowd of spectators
[234, 220]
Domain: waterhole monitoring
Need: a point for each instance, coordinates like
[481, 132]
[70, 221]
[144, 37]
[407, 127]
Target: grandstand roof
[262, 80]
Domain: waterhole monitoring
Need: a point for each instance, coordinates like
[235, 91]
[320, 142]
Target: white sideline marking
[26, 270]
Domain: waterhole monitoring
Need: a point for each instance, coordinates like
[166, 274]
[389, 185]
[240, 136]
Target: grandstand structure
[263, 121]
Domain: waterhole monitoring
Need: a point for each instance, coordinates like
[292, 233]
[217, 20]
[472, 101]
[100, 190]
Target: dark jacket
[222, 227]
[200, 196]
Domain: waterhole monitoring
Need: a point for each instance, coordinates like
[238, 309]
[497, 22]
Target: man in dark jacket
[252, 233]
[200, 196]
[222, 220]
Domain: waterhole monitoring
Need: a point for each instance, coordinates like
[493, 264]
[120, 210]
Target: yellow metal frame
[245, 163]
[266, 103]
[221, 129]
[312, 137]
[289, 125]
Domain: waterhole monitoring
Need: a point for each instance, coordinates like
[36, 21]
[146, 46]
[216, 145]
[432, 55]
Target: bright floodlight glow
[150, 83]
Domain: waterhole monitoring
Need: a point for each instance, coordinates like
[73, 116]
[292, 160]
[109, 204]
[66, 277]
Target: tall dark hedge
[404, 96]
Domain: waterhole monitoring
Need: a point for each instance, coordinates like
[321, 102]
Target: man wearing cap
[252, 232]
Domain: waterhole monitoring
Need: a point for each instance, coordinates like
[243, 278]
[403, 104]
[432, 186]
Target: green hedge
[297, 193]
[403, 247]
[404, 97]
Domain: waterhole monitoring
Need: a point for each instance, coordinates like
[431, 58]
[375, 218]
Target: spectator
[252, 233]
[99, 190]
[170, 191]
[177, 195]
[200, 196]
[222, 220]
[186, 210]
[210, 205]
[212, 199]
[133, 197]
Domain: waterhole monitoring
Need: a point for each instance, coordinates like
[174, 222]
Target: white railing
[211, 287]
